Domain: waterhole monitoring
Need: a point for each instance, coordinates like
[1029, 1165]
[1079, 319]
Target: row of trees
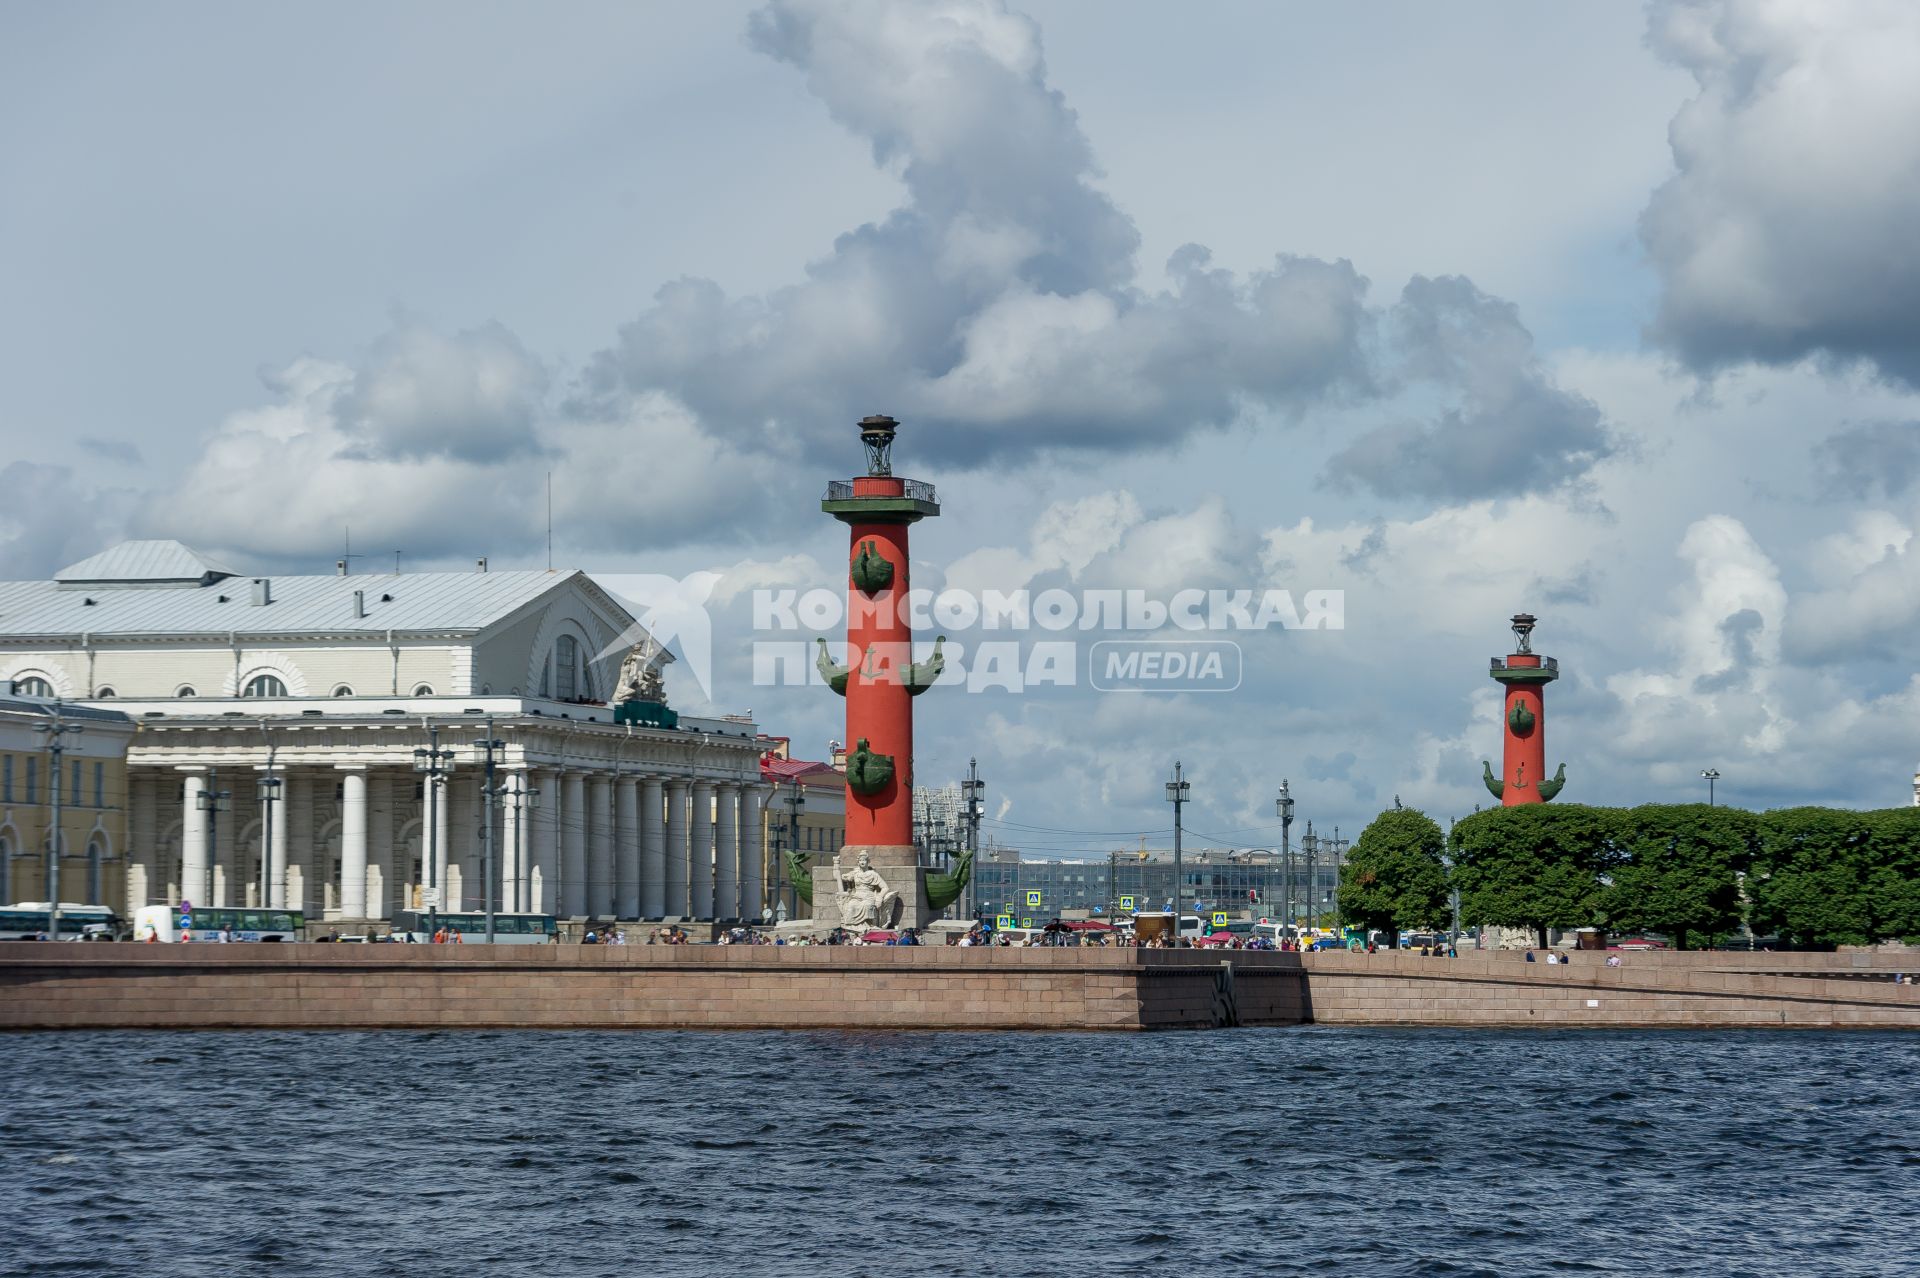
[1811, 876]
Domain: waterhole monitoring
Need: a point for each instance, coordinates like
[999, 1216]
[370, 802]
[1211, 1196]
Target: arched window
[185, 690]
[423, 690]
[566, 668]
[342, 690]
[105, 694]
[33, 685]
[265, 685]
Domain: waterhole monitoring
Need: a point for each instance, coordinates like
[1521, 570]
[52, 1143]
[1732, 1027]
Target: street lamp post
[1283, 808]
[56, 731]
[489, 744]
[1712, 775]
[267, 788]
[433, 764]
[213, 801]
[1337, 848]
[1310, 844]
[796, 799]
[1177, 795]
[976, 808]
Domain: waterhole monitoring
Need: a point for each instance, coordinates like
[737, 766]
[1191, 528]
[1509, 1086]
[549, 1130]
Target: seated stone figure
[865, 899]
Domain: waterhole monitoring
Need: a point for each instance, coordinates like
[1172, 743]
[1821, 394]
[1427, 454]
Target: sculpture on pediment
[640, 674]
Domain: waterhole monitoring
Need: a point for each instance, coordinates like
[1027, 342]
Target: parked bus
[508, 929]
[210, 923]
[27, 921]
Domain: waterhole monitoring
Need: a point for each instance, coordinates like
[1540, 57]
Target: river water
[1316, 1150]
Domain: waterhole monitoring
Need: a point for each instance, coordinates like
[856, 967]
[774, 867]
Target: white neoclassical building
[329, 685]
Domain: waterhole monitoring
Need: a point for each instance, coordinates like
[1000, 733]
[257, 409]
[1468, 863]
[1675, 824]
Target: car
[1637, 943]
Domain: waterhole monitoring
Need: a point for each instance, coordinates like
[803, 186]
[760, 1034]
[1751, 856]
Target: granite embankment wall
[1698, 990]
[728, 987]
[573, 986]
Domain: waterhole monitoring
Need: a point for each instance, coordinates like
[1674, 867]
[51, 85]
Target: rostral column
[1525, 675]
[880, 678]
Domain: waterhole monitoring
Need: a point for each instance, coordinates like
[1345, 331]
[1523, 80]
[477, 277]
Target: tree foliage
[1676, 870]
[1535, 865]
[1395, 877]
[1826, 876]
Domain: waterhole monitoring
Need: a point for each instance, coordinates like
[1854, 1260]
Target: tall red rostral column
[880, 677]
[1525, 675]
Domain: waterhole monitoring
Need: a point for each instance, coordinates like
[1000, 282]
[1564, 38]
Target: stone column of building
[195, 883]
[353, 840]
[508, 835]
[753, 850]
[573, 844]
[543, 859]
[626, 848]
[143, 842]
[600, 844]
[653, 848]
[676, 852]
[383, 872]
[700, 854]
[438, 803]
[277, 845]
[297, 814]
[220, 840]
[726, 852]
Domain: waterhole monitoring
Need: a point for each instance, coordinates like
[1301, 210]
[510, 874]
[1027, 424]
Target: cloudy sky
[1610, 314]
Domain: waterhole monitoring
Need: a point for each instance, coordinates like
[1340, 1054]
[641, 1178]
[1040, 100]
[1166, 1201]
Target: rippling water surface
[1297, 1151]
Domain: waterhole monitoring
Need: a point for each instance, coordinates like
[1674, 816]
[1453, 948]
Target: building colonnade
[351, 841]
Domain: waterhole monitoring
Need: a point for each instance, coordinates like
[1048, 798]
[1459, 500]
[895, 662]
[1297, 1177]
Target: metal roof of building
[409, 602]
[133, 562]
[43, 706]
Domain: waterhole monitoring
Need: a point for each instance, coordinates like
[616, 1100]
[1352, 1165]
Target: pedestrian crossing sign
[1219, 918]
[1033, 900]
[1004, 922]
[1126, 903]
[1026, 922]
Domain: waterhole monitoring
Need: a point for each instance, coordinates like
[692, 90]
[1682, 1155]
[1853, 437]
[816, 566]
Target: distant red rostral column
[1524, 674]
[880, 678]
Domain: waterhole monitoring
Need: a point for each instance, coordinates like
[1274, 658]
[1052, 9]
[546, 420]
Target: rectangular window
[99, 784]
[6, 779]
[73, 791]
[33, 780]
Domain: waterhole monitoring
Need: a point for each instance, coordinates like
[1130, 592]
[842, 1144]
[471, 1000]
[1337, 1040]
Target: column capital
[350, 767]
[189, 767]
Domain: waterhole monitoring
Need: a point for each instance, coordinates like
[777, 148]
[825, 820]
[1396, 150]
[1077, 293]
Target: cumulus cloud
[52, 518]
[1514, 430]
[119, 452]
[997, 310]
[1787, 229]
[1870, 457]
[471, 396]
[286, 479]
[1868, 600]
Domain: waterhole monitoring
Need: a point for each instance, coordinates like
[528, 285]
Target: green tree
[1394, 877]
[1810, 878]
[1535, 865]
[1678, 870]
[1893, 884]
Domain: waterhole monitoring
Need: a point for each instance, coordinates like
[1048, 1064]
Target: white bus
[163, 923]
[27, 921]
[471, 926]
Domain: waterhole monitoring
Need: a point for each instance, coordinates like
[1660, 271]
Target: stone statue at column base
[864, 899]
[873, 887]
